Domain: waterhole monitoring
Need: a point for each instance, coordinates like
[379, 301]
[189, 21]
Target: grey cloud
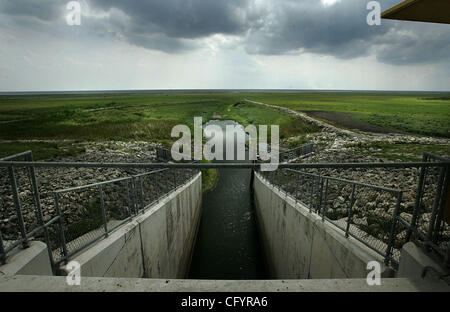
[172, 25]
[340, 30]
[117, 25]
[272, 27]
[414, 43]
[43, 10]
[161, 43]
[265, 27]
[182, 18]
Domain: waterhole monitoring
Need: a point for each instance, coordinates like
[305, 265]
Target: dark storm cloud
[340, 29]
[172, 25]
[43, 10]
[264, 27]
[182, 18]
[119, 26]
[272, 27]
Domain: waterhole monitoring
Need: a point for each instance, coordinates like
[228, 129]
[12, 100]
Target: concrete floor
[30, 283]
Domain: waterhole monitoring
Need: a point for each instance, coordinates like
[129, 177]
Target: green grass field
[417, 113]
[127, 117]
[151, 116]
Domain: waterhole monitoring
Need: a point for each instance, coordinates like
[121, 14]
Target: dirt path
[307, 118]
[337, 141]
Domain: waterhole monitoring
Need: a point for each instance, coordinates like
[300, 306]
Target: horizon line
[19, 92]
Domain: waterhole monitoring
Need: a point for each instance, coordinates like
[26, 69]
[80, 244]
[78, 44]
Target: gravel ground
[373, 209]
[52, 179]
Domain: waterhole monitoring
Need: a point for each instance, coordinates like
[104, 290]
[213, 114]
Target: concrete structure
[299, 245]
[33, 260]
[156, 244]
[313, 255]
[413, 262]
[91, 284]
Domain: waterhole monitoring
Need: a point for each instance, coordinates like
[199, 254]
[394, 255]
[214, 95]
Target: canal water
[228, 245]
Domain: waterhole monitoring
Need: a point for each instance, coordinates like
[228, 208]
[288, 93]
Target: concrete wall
[156, 244]
[299, 245]
[33, 260]
[414, 260]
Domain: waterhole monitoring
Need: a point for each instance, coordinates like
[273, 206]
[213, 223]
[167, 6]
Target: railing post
[320, 195]
[175, 178]
[349, 220]
[18, 206]
[418, 198]
[436, 206]
[156, 186]
[279, 171]
[443, 198]
[37, 202]
[2, 250]
[324, 210]
[393, 228]
[318, 192]
[311, 195]
[141, 193]
[135, 195]
[297, 186]
[130, 205]
[102, 205]
[280, 180]
[62, 236]
[286, 181]
[166, 177]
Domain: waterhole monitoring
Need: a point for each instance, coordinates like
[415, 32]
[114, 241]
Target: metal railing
[297, 153]
[321, 187]
[83, 214]
[429, 226]
[375, 215]
[360, 210]
[109, 205]
[24, 234]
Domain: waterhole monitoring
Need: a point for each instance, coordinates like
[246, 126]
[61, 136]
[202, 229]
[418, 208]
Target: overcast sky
[220, 44]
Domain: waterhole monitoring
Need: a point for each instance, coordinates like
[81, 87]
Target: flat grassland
[150, 116]
[413, 112]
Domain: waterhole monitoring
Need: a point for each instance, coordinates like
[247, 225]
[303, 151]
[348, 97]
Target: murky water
[227, 244]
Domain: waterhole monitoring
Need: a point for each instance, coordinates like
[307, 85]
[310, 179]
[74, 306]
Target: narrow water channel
[228, 245]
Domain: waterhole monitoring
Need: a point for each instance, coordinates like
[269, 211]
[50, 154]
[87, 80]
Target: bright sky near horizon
[220, 44]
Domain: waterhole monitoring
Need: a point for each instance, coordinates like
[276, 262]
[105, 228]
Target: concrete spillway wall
[156, 244]
[300, 245]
